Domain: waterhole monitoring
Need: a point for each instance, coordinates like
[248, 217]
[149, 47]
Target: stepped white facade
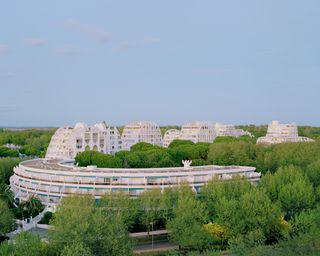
[169, 136]
[60, 144]
[229, 130]
[280, 133]
[68, 141]
[143, 131]
[198, 132]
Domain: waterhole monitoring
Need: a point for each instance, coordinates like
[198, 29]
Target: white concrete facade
[60, 144]
[67, 141]
[198, 132]
[280, 133]
[144, 131]
[51, 180]
[229, 130]
[169, 136]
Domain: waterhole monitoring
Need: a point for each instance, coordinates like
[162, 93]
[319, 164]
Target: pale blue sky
[168, 61]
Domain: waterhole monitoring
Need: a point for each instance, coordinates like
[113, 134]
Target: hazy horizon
[171, 62]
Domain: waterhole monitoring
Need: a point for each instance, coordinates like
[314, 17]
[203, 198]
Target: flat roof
[62, 165]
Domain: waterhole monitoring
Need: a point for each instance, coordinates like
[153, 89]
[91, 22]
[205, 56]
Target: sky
[168, 61]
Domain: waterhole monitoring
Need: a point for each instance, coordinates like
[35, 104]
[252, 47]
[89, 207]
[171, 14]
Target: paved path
[24, 225]
[158, 246]
[145, 234]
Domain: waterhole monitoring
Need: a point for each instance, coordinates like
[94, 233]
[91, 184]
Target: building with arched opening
[229, 130]
[67, 142]
[198, 132]
[169, 136]
[143, 131]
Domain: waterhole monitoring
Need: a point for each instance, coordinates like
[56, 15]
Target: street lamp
[151, 223]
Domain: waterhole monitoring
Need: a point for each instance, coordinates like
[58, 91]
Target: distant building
[143, 131]
[12, 146]
[68, 141]
[99, 137]
[229, 130]
[169, 136]
[280, 133]
[198, 132]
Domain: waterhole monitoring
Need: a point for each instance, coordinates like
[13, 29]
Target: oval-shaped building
[50, 180]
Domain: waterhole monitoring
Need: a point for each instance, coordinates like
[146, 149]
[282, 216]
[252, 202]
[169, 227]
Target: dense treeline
[309, 131]
[144, 155]
[224, 151]
[34, 142]
[266, 158]
[7, 152]
[6, 168]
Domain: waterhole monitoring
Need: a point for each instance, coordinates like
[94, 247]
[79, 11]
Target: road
[157, 247]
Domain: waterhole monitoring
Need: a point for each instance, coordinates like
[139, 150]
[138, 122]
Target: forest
[33, 142]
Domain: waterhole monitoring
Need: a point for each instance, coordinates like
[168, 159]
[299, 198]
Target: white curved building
[51, 180]
[59, 146]
[198, 132]
[67, 141]
[169, 136]
[280, 133]
[229, 130]
[143, 131]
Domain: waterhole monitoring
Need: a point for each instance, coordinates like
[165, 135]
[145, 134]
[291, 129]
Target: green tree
[186, 227]
[216, 190]
[6, 169]
[254, 211]
[79, 221]
[120, 203]
[76, 250]
[313, 173]
[296, 196]
[106, 161]
[291, 188]
[7, 152]
[169, 200]
[151, 207]
[143, 146]
[32, 206]
[7, 221]
[27, 244]
[6, 194]
[84, 158]
[178, 143]
[30, 150]
[232, 153]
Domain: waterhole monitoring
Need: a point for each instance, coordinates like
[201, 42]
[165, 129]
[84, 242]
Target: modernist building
[146, 131]
[280, 133]
[50, 180]
[198, 132]
[169, 136]
[67, 141]
[229, 130]
[60, 144]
